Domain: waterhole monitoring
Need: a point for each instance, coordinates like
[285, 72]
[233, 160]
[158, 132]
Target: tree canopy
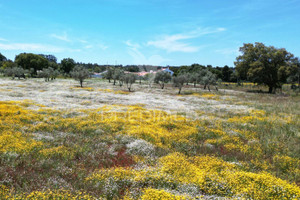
[67, 65]
[80, 73]
[264, 64]
[161, 78]
[2, 58]
[30, 61]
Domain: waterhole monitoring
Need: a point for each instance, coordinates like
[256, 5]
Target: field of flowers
[198, 145]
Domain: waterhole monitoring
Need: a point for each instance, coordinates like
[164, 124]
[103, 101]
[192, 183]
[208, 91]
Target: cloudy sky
[157, 32]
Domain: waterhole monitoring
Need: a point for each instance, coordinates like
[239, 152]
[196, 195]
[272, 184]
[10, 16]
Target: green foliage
[264, 64]
[161, 78]
[129, 79]
[80, 73]
[179, 81]
[50, 58]
[295, 73]
[208, 78]
[13, 72]
[32, 62]
[150, 79]
[109, 73]
[8, 64]
[226, 73]
[194, 68]
[117, 75]
[2, 59]
[48, 74]
[67, 65]
[132, 68]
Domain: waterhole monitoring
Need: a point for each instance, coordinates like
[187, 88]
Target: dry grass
[59, 139]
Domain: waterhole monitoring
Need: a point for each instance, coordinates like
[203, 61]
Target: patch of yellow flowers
[150, 194]
[17, 143]
[212, 175]
[44, 195]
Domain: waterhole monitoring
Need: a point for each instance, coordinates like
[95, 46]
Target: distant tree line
[257, 63]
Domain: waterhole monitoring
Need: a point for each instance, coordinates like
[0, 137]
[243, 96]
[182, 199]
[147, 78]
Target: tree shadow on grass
[258, 91]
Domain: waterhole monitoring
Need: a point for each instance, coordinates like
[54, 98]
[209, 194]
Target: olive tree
[161, 78]
[18, 72]
[150, 79]
[179, 81]
[117, 74]
[80, 73]
[209, 79]
[129, 79]
[109, 73]
[48, 74]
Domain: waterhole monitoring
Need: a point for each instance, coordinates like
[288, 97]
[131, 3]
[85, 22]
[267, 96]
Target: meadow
[61, 141]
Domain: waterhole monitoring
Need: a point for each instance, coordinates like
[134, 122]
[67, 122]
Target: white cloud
[173, 43]
[2, 39]
[31, 47]
[90, 45]
[139, 58]
[101, 46]
[63, 37]
[132, 45]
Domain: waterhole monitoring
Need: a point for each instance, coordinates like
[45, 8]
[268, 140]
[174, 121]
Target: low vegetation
[119, 140]
[120, 150]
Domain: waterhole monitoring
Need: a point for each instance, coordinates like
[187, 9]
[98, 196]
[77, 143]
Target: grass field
[60, 141]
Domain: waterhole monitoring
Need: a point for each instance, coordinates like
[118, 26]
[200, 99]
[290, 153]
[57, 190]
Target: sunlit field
[60, 141]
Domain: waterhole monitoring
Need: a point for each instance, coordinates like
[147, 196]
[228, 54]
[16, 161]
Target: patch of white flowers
[140, 147]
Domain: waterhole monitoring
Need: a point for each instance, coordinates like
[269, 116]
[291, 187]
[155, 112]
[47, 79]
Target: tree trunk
[114, 81]
[204, 87]
[195, 84]
[208, 88]
[270, 89]
[162, 86]
[179, 90]
[217, 88]
[129, 87]
[81, 83]
[109, 80]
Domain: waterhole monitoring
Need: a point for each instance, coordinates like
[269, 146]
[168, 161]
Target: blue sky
[157, 32]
